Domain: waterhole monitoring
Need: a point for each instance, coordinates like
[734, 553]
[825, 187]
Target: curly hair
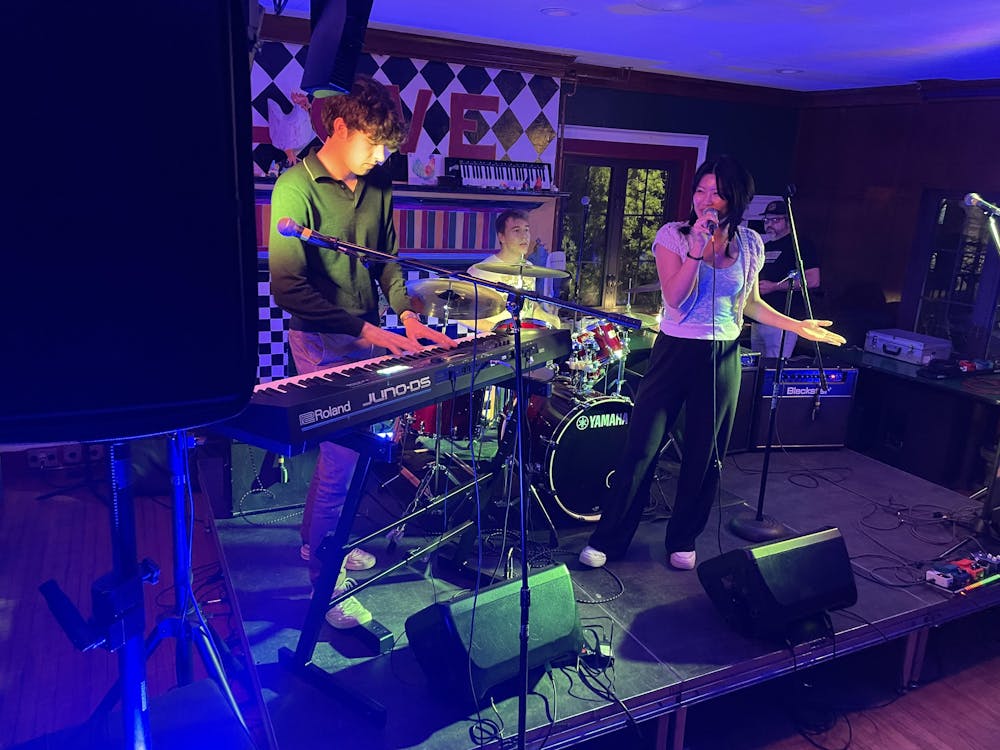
[369, 108]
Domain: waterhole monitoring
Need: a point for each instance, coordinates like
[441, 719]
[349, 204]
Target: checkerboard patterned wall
[521, 129]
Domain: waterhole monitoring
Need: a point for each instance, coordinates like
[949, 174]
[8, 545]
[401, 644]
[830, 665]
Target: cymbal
[522, 269]
[649, 322]
[454, 299]
[653, 286]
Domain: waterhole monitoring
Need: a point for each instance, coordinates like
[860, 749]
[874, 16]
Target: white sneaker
[357, 558]
[592, 558]
[349, 613]
[682, 560]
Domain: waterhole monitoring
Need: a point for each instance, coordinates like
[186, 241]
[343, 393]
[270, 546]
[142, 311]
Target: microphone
[973, 199]
[790, 276]
[711, 223]
[290, 228]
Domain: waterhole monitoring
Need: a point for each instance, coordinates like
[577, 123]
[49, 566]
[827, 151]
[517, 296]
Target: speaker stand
[188, 633]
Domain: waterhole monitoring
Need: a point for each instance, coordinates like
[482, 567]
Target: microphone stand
[984, 526]
[759, 527]
[515, 302]
[585, 201]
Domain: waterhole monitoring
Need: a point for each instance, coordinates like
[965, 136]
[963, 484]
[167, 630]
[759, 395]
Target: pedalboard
[960, 575]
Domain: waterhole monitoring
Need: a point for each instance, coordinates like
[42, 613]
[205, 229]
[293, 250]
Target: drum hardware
[444, 298]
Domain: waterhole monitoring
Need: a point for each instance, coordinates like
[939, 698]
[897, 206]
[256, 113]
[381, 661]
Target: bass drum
[579, 440]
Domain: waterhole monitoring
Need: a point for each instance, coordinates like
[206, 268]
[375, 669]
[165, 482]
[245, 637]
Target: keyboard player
[341, 191]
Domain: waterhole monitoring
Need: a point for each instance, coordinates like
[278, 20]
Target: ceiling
[799, 45]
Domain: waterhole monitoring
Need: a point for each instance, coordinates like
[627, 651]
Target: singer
[708, 268]
[341, 191]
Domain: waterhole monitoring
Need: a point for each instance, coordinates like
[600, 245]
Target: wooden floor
[46, 685]
[855, 703]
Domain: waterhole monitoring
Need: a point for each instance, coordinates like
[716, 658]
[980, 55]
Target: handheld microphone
[973, 199]
[711, 223]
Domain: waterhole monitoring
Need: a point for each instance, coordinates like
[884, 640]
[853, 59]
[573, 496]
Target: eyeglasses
[772, 219]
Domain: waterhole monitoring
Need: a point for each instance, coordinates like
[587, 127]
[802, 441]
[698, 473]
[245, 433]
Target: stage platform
[671, 646]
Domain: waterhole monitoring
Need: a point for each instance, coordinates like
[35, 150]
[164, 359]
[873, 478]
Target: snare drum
[507, 325]
[578, 440]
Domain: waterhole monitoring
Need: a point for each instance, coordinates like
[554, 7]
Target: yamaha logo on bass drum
[595, 421]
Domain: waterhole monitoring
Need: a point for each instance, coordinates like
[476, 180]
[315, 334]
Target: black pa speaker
[479, 636]
[338, 34]
[129, 292]
[776, 588]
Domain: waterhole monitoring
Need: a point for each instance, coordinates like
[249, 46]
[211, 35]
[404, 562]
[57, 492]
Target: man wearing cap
[774, 282]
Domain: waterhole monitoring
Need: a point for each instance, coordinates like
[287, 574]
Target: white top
[714, 309]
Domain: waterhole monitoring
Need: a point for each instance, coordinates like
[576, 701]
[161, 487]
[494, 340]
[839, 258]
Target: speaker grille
[765, 590]
[440, 634]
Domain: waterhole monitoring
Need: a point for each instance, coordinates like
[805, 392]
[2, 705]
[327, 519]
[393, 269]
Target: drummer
[514, 235]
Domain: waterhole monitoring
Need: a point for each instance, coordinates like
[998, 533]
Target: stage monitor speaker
[778, 588]
[130, 293]
[449, 653]
[338, 34]
[805, 418]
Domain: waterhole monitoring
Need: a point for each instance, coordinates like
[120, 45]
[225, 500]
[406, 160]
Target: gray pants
[335, 465]
[766, 339]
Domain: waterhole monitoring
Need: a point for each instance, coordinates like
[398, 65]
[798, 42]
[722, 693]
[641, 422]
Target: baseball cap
[776, 208]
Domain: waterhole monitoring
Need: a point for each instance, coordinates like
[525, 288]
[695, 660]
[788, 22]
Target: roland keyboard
[295, 414]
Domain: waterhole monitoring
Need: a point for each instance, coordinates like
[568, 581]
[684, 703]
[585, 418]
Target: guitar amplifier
[806, 417]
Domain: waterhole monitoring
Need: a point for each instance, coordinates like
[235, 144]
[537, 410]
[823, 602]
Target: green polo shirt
[326, 290]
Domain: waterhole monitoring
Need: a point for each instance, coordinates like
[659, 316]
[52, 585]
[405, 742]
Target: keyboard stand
[331, 554]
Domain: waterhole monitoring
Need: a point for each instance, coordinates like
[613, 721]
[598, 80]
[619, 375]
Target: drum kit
[577, 431]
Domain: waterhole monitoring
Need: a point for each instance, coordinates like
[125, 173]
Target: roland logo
[395, 391]
[596, 421]
[792, 390]
[322, 414]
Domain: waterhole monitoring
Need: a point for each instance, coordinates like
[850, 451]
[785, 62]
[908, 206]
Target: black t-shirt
[779, 259]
